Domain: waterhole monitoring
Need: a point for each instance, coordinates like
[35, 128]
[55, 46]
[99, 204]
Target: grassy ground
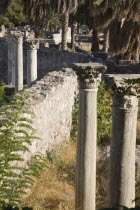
[55, 189]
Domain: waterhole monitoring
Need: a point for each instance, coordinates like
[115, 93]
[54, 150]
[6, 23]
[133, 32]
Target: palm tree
[65, 8]
[124, 35]
[41, 7]
[51, 21]
[95, 39]
[37, 8]
[101, 16]
[4, 4]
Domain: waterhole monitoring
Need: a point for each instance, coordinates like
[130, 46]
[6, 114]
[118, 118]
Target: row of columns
[15, 60]
[123, 141]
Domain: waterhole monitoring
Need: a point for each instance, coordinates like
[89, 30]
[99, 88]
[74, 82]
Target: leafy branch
[16, 135]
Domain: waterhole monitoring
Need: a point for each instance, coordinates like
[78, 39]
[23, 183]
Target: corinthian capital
[126, 89]
[89, 74]
[32, 44]
[18, 36]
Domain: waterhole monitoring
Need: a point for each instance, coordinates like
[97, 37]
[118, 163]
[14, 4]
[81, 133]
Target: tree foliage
[80, 14]
[36, 9]
[15, 16]
[121, 17]
[51, 21]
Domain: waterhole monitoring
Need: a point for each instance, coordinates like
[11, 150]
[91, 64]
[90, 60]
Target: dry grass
[138, 128]
[55, 189]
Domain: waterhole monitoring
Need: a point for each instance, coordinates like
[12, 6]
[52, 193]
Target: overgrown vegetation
[16, 135]
[104, 101]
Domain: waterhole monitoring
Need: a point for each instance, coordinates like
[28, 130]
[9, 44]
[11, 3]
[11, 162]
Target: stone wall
[55, 59]
[52, 100]
[48, 60]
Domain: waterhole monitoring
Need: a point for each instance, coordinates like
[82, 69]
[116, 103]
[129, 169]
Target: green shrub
[104, 101]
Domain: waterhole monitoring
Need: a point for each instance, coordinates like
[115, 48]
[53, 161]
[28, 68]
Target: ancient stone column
[32, 46]
[89, 75]
[18, 37]
[123, 142]
[13, 55]
[9, 58]
[106, 41]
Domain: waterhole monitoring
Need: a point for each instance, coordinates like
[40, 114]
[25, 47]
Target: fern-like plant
[16, 134]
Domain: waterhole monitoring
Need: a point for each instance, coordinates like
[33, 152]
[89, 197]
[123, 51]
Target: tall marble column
[32, 46]
[123, 142]
[11, 58]
[13, 63]
[89, 75]
[18, 37]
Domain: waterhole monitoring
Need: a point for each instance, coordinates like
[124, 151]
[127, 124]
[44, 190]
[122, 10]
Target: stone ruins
[52, 99]
[123, 141]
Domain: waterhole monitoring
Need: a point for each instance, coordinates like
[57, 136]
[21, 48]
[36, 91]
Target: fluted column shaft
[32, 46]
[89, 76]
[11, 58]
[123, 141]
[18, 61]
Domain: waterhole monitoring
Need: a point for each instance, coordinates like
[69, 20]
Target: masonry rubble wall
[52, 100]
